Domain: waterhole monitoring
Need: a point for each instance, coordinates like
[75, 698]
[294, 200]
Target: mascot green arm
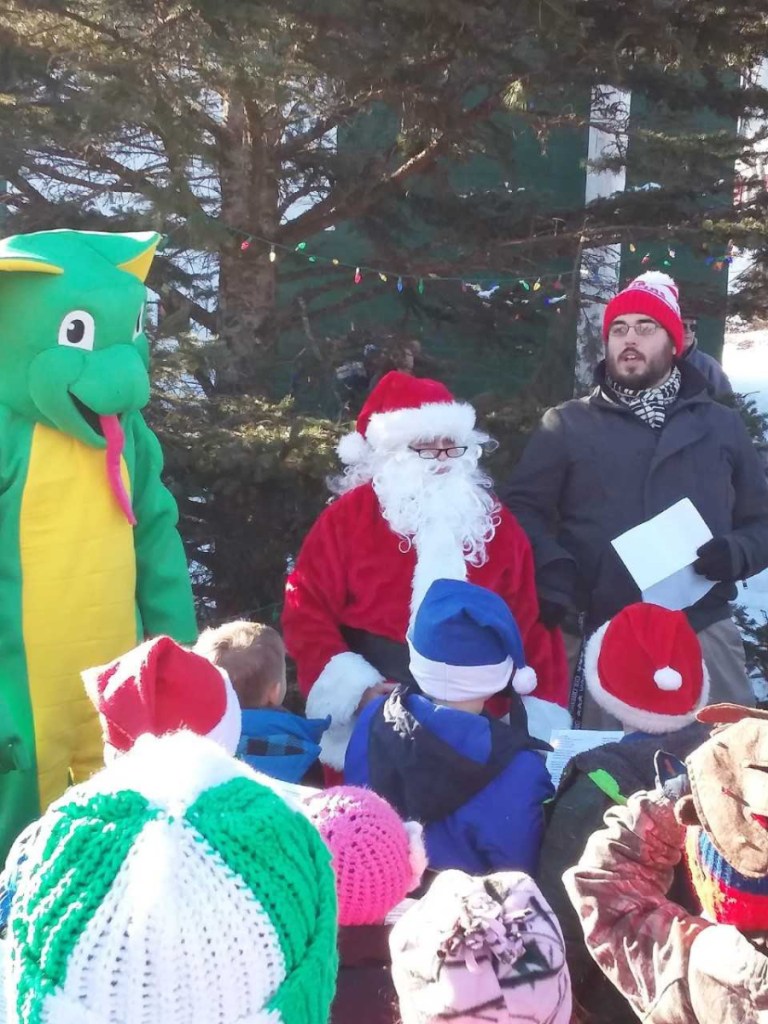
[163, 592]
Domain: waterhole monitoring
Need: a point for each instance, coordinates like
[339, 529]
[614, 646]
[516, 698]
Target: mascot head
[73, 353]
[727, 811]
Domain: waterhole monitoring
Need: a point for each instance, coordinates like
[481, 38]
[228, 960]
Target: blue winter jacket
[500, 825]
[279, 743]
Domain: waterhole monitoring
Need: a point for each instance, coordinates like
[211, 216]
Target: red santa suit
[354, 571]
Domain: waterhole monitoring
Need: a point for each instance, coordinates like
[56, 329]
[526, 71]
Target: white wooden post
[600, 267]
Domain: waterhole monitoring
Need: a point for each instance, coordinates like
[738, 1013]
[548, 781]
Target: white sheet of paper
[567, 743]
[659, 554]
[680, 590]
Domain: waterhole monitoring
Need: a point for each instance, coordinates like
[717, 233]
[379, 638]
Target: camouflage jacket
[672, 967]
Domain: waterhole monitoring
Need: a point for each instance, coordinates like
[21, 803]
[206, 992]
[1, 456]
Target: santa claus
[413, 506]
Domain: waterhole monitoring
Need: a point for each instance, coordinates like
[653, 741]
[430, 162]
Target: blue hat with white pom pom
[465, 644]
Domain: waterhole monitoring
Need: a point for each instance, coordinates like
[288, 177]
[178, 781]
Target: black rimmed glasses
[454, 452]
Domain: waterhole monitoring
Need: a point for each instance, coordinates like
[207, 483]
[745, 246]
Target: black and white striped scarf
[651, 404]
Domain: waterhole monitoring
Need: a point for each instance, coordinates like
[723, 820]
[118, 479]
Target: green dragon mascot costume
[90, 560]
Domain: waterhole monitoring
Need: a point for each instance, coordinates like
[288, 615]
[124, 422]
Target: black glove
[551, 614]
[715, 561]
[557, 578]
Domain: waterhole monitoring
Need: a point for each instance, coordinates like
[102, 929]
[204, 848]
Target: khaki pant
[723, 652]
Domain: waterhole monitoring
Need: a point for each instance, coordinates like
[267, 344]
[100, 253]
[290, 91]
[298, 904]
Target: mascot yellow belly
[78, 566]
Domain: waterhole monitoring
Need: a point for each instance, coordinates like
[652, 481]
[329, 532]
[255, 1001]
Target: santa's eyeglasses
[454, 452]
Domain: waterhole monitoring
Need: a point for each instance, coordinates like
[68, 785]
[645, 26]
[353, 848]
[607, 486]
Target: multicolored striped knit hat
[173, 887]
[726, 896]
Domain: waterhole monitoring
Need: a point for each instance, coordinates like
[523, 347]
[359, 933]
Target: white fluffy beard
[445, 509]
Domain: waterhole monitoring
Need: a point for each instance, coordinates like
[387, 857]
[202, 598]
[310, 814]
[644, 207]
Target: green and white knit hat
[174, 887]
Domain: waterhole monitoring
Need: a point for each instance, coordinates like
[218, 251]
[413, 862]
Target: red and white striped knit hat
[655, 295]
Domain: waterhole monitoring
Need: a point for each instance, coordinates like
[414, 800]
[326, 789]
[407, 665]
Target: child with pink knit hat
[377, 858]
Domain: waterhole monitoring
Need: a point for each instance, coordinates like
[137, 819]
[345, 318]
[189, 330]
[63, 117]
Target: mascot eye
[77, 330]
[139, 323]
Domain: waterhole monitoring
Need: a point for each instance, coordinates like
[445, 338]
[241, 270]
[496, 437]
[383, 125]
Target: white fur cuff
[337, 692]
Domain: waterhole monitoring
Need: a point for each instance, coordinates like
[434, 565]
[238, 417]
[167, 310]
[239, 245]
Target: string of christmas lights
[401, 279]
[716, 262]
[484, 286]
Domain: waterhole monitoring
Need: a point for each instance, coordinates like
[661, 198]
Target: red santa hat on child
[159, 688]
[645, 668]
[655, 295]
[402, 409]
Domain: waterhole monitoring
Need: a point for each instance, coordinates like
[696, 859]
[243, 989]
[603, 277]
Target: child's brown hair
[252, 655]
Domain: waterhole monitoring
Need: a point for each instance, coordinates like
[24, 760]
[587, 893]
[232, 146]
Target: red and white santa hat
[402, 409]
[645, 667]
[655, 295]
[158, 688]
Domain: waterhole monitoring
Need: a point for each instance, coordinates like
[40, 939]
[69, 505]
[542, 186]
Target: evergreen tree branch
[335, 208]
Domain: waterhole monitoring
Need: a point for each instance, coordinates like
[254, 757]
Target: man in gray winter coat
[648, 435]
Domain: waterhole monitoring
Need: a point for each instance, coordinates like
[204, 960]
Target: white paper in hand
[567, 743]
[659, 554]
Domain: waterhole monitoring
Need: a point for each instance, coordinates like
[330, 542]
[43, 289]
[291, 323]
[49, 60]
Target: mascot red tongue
[115, 438]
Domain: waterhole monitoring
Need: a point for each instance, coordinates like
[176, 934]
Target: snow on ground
[745, 360]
